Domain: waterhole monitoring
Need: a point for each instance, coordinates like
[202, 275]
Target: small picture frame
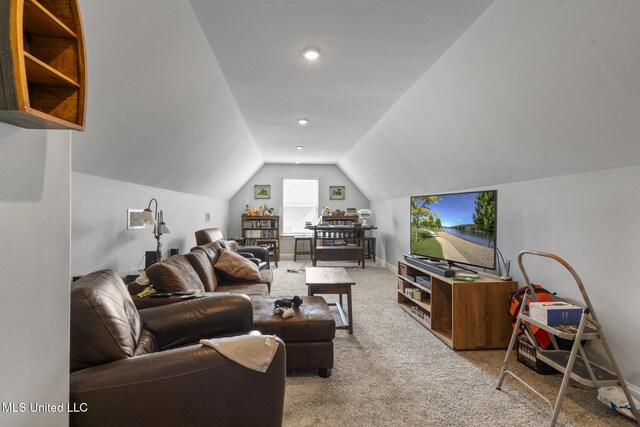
[336, 192]
[351, 211]
[262, 191]
[134, 219]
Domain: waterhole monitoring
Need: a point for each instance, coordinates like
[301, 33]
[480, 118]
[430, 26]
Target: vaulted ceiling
[196, 96]
[408, 96]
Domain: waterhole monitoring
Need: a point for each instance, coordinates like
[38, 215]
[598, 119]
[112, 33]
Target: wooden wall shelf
[42, 64]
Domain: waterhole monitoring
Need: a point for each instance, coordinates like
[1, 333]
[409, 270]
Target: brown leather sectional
[145, 367]
[195, 271]
[308, 335]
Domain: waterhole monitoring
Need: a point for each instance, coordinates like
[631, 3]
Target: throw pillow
[236, 266]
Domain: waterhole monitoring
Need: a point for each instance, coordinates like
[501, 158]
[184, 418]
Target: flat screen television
[458, 228]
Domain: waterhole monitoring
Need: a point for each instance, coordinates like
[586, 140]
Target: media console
[465, 315]
[442, 270]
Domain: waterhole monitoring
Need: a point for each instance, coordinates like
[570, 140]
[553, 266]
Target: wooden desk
[327, 241]
[336, 281]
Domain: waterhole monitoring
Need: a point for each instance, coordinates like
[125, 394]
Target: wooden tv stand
[464, 315]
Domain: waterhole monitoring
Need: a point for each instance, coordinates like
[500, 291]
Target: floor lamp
[156, 219]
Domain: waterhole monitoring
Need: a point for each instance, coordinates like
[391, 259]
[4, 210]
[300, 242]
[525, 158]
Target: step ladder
[574, 364]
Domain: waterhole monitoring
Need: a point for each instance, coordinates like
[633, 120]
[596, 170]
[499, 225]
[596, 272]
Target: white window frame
[285, 205]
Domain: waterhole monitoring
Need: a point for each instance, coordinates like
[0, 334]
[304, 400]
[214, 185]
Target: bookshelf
[263, 231]
[44, 75]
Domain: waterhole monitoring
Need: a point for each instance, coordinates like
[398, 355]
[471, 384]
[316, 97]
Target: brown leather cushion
[208, 235]
[201, 264]
[312, 321]
[236, 267]
[174, 274]
[232, 245]
[105, 325]
[211, 249]
[266, 276]
[251, 289]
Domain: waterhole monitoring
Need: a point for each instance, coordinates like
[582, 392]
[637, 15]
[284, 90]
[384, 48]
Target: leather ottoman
[308, 335]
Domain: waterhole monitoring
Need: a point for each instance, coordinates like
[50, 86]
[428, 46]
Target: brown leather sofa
[195, 271]
[133, 368]
[214, 235]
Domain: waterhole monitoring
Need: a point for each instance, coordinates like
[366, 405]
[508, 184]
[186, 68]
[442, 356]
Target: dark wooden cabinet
[338, 243]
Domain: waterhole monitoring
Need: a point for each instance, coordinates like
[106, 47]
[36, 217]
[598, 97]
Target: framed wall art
[134, 219]
[262, 191]
[336, 192]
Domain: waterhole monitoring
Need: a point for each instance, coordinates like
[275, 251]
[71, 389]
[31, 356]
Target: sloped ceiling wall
[533, 89]
[160, 112]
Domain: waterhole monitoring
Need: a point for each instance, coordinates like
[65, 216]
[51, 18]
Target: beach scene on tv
[458, 227]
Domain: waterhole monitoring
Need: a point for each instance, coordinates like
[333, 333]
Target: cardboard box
[555, 313]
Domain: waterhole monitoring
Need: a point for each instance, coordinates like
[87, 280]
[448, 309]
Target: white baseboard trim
[389, 266]
[634, 390]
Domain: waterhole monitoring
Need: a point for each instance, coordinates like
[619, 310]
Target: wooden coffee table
[332, 280]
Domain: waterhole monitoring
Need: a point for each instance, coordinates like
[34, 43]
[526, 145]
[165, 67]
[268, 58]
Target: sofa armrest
[232, 245]
[192, 385]
[188, 321]
[250, 257]
[260, 252]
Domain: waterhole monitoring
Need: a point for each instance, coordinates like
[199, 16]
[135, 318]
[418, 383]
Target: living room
[537, 100]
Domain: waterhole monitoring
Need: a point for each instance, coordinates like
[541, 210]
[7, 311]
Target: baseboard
[389, 266]
[634, 390]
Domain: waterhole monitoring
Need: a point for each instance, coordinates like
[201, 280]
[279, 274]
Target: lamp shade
[147, 217]
[163, 228]
[364, 214]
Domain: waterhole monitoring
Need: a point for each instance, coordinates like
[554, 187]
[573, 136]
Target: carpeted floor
[393, 372]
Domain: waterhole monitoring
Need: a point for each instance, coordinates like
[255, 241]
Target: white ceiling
[195, 96]
[372, 52]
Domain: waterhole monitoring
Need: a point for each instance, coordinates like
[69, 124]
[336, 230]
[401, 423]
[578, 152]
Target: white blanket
[251, 351]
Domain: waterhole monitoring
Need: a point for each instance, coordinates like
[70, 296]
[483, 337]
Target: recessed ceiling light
[303, 122]
[299, 147]
[311, 53]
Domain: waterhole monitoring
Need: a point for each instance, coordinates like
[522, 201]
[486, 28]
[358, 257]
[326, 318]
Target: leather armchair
[132, 368]
[212, 235]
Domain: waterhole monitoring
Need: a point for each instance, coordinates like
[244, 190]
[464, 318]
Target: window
[299, 204]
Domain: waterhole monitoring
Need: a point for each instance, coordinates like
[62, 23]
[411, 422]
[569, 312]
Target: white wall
[99, 235]
[589, 219]
[160, 111]
[534, 88]
[35, 176]
[273, 174]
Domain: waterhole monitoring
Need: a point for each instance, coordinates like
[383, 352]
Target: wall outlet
[207, 217]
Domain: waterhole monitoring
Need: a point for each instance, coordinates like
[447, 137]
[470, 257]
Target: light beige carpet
[393, 372]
